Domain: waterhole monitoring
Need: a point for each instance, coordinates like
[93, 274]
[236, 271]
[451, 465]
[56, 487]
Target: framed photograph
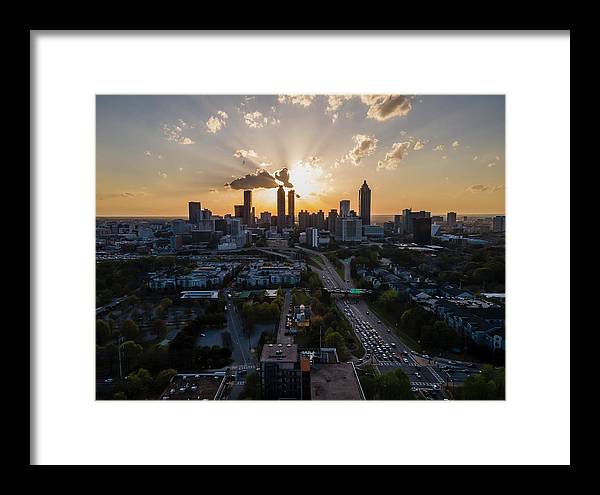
[298, 232]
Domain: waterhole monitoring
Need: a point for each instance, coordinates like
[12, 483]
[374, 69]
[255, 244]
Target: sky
[425, 152]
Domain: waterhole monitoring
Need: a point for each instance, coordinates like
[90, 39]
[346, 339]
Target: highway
[381, 342]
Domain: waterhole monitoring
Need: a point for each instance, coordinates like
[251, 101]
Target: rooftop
[193, 387]
[277, 353]
[334, 382]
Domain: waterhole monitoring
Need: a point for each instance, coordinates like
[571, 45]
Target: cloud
[364, 146]
[455, 144]
[334, 103]
[147, 153]
[491, 164]
[102, 197]
[385, 107]
[160, 157]
[241, 153]
[283, 176]
[162, 175]
[392, 158]
[213, 191]
[439, 147]
[475, 157]
[444, 157]
[261, 179]
[301, 100]
[419, 144]
[181, 169]
[215, 124]
[255, 120]
[498, 188]
[497, 158]
[174, 133]
[478, 188]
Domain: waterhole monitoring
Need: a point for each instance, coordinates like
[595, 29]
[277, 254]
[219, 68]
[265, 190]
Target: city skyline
[439, 153]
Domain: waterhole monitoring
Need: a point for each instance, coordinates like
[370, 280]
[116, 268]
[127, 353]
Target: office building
[331, 219]
[320, 220]
[344, 208]
[312, 237]
[280, 209]
[398, 224]
[253, 217]
[238, 212]
[303, 219]
[247, 207]
[372, 231]
[194, 212]
[348, 229]
[422, 230]
[291, 207]
[281, 372]
[364, 203]
[265, 220]
[451, 219]
[498, 223]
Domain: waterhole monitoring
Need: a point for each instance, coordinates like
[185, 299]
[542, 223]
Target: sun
[308, 179]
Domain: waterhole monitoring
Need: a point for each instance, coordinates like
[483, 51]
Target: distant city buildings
[498, 223]
[344, 208]
[451, 219]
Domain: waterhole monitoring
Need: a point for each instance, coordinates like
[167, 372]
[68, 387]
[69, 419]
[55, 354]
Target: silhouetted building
[422, 230]
[280, 209]
[348, 229]
[331, 219]
[238, 211]
[364, 203]
[320, 220]
[291, 207]
[247, 208]
[194, 212]
[498, 223]
[303, 219]
[280, 372]
[451, 219]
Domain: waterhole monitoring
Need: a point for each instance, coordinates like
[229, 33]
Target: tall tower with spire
[364, 203]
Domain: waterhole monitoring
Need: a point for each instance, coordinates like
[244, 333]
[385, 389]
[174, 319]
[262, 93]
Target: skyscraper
[247, 207]
[364, 203]
[320, 220]
[280, 209]
[422, 230]
[291, 206]
[331, 219]
[451, 219]
[238, 211]
[344, 208]
[194, 212]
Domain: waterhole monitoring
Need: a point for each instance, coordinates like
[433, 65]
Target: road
[241, 347]
[381, 342]
[282, 338]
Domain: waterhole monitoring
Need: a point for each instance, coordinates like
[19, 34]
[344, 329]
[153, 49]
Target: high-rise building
[238, 211]
[407, 220]
[422, 230]
[280, 208]
[291, 206]
[437, 219]
[498, 223]
[364, 203]
[247, 208]
[253, 217]
[320, 220]
[344, 208]
[265, 219]
[398, 224]
[331, 219]
[451, 219]
[194, 212]
[348, 229]
[303, 219]
[312, 237]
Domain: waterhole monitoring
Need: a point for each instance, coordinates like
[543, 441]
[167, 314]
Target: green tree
[163, 379]
[160, 328]
[120, 396]
[132, 352]
[130, 330]
[139, 383]
[102, 332]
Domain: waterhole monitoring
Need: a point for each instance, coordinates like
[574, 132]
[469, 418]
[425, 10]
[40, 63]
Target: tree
[132, 352]
[130, 330]
[102, 332]
[163, 379]
[120, 396]
[160, 328]
[138, 384]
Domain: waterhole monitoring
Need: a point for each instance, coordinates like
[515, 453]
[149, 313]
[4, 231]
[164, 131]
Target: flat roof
[334, 382]
[277, 353]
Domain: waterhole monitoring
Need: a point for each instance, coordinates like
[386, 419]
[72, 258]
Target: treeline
[487, 385]
[393, 385]
[142, 385]
[434, 334]
[261, 310]
[117, 278]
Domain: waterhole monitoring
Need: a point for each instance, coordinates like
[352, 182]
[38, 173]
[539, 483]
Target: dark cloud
[384, 107]
[261, 179]
[283, 176]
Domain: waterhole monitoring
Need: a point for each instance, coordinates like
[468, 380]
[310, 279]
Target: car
[436, 387]
[393, 344]
[418, 375]
[405, 360]
[388, 330]
[367, 312]
[202, 335]
[379, 321]
[108, 380]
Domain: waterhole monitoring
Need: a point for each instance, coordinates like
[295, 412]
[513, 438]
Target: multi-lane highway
[383, 347]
